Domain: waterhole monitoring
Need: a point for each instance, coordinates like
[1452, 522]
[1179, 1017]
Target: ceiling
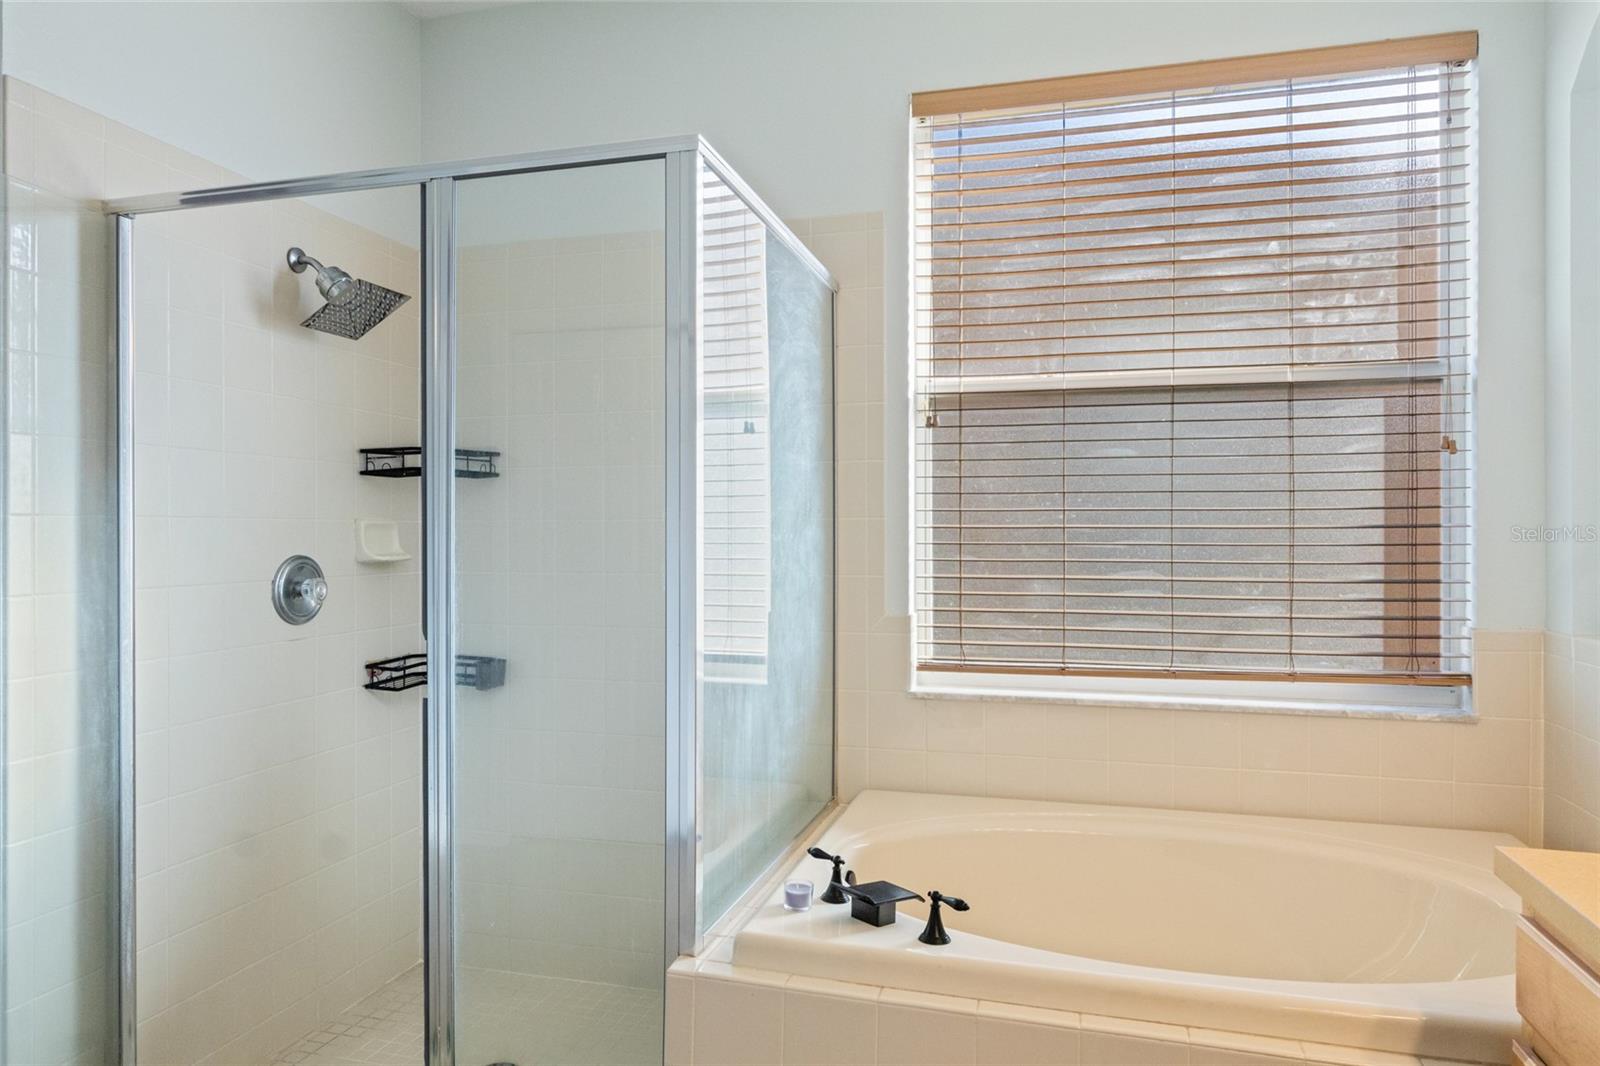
[432, 9]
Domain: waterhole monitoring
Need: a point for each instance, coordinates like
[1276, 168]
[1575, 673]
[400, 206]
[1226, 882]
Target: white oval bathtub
[1386, 937]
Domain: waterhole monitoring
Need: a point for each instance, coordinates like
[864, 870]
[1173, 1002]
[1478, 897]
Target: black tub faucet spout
[835, 889]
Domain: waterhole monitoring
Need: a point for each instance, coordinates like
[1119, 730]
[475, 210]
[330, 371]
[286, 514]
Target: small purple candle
[797, 895]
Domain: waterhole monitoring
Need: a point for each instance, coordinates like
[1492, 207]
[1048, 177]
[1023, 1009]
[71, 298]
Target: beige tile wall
[1572, 742]
[1482, 775]
[61, 710]
[721, 1015]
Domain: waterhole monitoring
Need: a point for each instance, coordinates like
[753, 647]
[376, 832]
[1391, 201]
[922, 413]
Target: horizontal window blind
[1194, 380]
[737, 483]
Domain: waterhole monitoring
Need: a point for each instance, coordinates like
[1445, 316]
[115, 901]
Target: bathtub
[1391, 938]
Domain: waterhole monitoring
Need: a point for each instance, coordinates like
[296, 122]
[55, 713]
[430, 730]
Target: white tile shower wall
[562, 786]
[279, 841]
[1572, 743]
[1482, 775]
[279, 801]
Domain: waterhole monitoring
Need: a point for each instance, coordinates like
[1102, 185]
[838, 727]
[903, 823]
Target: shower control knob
[299, 589]
[934, 932]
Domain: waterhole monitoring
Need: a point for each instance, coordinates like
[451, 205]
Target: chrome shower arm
[299, 260]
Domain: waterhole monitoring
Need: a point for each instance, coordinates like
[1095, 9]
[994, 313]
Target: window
[1193, 370]
[738, 488]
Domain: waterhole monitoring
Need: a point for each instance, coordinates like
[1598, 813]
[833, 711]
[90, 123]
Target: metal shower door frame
[438, 617]
[683, 158]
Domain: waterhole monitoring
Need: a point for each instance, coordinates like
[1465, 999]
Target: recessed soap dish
[378, 541]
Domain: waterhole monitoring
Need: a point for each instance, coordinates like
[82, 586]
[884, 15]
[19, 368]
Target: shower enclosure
[574, 490]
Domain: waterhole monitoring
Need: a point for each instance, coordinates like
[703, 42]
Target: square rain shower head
[370, 305]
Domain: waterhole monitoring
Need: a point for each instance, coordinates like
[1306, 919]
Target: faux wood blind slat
[736, 490]
[1194, 372]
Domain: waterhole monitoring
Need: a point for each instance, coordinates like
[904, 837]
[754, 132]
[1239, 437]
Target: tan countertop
[1561, 890]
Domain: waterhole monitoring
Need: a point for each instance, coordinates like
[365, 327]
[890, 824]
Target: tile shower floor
[504, 1017]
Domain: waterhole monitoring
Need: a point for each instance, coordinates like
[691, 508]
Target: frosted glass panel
[767, 555]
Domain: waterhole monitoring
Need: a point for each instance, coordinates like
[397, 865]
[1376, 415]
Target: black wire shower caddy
[481, 672]
[405, 460]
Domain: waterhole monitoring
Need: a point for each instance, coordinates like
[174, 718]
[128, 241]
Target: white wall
[808, 101]
[267, 90]
[1572, 107]
[1572, 437]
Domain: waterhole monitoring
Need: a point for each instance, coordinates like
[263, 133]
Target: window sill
[1453, 704]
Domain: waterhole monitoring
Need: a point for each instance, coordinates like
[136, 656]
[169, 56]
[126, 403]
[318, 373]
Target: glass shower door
[558, 747]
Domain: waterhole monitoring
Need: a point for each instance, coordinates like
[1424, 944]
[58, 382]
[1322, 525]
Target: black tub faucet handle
[835, 890]
[933, 932]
